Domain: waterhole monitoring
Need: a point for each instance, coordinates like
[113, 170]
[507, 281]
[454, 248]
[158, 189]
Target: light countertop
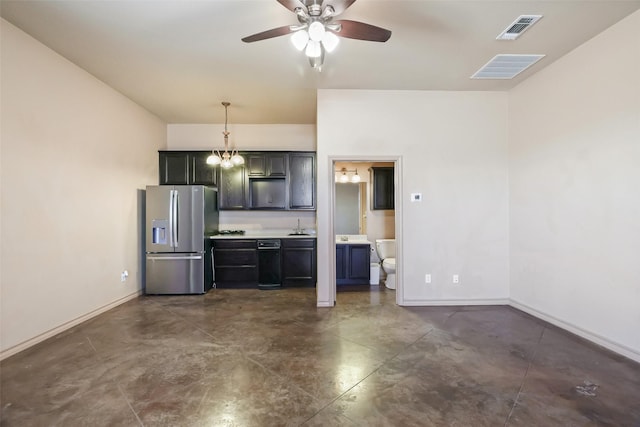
[267, 234]
[352, 239]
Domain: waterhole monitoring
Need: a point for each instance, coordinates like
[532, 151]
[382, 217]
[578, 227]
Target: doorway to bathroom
[360, 217]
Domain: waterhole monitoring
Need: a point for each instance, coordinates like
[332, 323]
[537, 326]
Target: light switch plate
[416, 197]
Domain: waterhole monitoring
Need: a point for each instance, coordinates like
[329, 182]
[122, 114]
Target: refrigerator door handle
[169, 258]
[175, 218]
[171, 218]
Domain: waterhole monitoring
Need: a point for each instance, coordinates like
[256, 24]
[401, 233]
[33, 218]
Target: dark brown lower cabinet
[298, 262]
[353, 264]
[235, 263]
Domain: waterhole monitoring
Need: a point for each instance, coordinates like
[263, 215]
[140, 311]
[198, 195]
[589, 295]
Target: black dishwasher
[269, 266]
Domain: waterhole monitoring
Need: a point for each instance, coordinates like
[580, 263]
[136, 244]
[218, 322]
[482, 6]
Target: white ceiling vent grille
[519, 26]
[506, 66]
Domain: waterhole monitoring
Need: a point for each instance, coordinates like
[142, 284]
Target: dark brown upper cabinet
[382, 188]
[269, 165]
[302, 181]
[232, 191]
[284, 180]
[186, 168]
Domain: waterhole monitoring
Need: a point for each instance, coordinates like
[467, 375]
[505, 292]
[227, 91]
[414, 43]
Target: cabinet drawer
[237, 274]
[298, 243]
[235, 244]
[235, 257]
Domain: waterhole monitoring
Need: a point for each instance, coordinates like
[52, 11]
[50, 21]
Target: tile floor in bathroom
[271, 358]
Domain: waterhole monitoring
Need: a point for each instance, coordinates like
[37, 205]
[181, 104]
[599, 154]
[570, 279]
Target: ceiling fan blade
[339, 5]
[274, 32]
[292, 4]
[361, 31]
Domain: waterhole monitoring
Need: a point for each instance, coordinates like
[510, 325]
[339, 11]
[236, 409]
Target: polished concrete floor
[271, 358]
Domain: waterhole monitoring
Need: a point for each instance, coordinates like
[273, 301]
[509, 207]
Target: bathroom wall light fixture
[227, 159]
[347, 176]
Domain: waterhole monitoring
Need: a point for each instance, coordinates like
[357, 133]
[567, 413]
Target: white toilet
[386, 249]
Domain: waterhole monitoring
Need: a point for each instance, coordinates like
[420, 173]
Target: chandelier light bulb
[300, 39]
[330, 41]
[226, 163]
[213, 160]
[237, 159]
[316, 31]
[313, 49]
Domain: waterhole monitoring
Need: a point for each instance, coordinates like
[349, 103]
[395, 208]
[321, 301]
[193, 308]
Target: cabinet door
[267, 165]
[232, 189]
[359, 263]
[276, 164]
[174, 168]
[267, 193]
[352, 264]
[341, 263]
[383, 188]
[256, 164]
[299, 262]
[302, 181]
[201, 172]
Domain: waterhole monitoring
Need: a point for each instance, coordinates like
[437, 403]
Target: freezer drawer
[175, 273]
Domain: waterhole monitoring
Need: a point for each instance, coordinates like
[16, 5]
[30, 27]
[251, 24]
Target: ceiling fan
[317, 31]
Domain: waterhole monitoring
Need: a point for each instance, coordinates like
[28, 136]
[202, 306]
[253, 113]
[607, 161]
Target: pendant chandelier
[227, 159]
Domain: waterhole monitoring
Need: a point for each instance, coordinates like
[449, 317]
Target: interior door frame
[397, 190]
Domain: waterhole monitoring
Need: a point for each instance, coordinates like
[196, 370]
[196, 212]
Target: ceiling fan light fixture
[316, 31]
[314, 50]
[316, 63]
[330, 41]
[300, 39]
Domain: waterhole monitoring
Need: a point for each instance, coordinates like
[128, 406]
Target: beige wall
[574, 139]
[74, 154]
[242, 136]
[452, 148]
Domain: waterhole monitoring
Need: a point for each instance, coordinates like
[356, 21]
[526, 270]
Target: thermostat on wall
[416, 197]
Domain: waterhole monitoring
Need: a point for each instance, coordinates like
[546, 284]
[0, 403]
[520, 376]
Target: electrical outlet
[427, 278]
[456, 279]
[124, 275]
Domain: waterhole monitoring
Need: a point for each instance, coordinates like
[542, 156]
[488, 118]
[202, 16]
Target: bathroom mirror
[349, 215]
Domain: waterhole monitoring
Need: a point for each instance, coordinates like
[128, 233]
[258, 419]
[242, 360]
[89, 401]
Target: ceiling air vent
[506, 66]
[519, 26]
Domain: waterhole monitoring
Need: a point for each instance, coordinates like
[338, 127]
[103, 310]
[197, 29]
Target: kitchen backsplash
[266, 220]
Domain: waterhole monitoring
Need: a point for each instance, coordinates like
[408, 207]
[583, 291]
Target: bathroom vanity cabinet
[353, 264]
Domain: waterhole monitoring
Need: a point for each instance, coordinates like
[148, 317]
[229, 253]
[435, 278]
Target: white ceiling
[180, 59]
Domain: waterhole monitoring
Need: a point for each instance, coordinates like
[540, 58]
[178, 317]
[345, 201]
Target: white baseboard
[454, 302]
[68, 325]
[595, 338]
[324, 304]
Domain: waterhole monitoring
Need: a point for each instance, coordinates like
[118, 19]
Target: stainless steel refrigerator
[178, 257]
